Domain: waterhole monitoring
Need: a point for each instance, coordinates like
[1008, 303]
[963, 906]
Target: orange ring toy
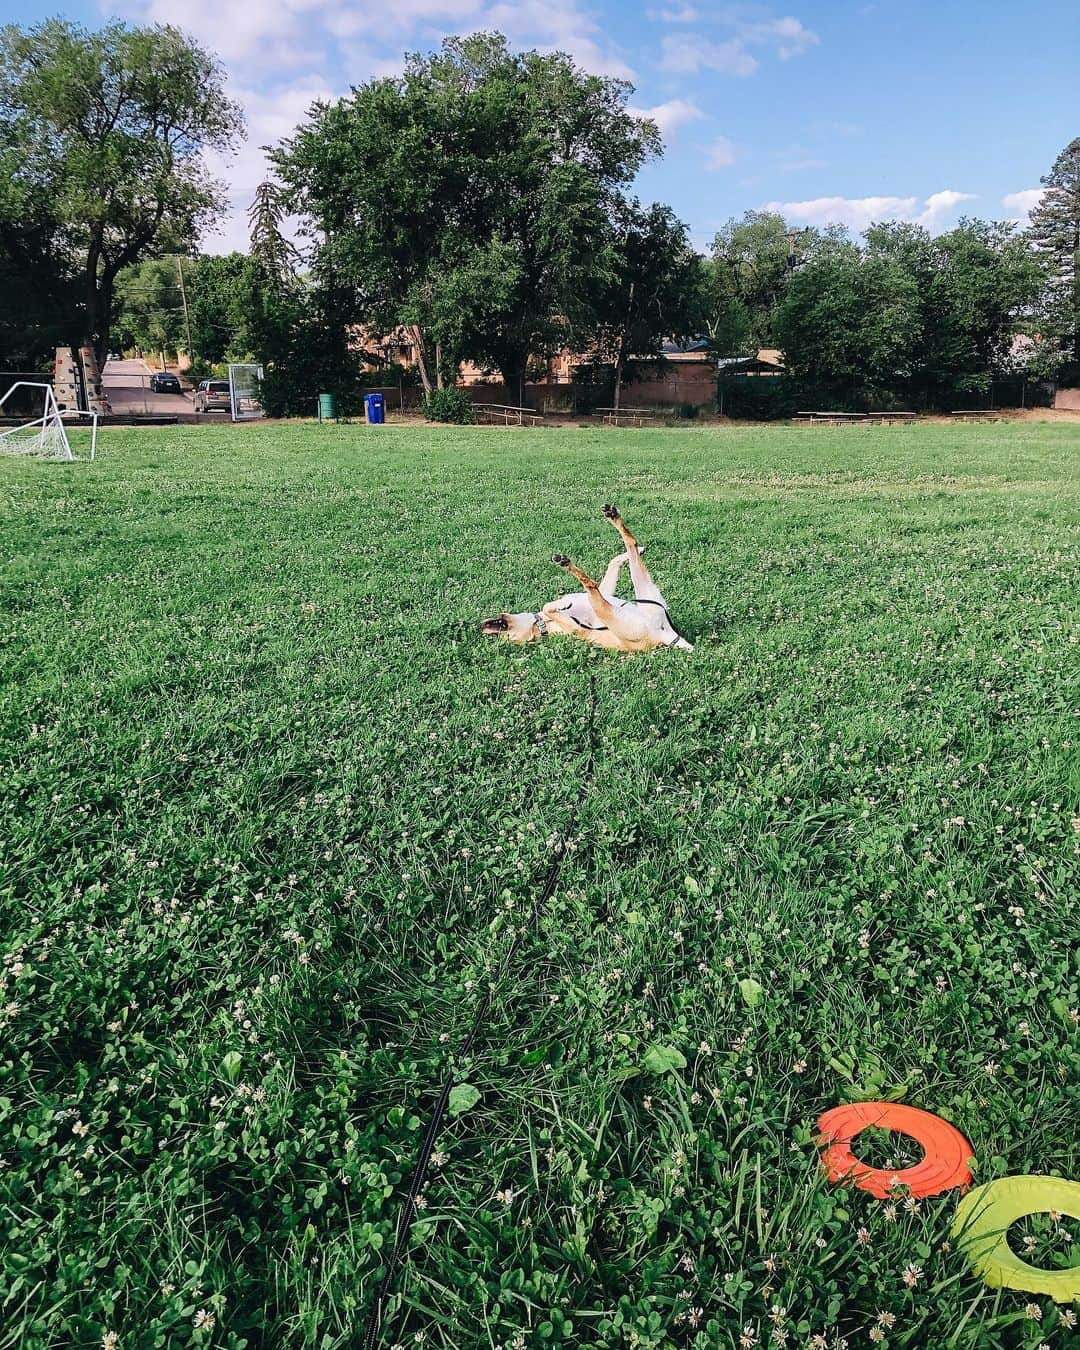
[947, 1152]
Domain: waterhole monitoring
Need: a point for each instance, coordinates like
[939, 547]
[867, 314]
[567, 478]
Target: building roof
[695, 350]
[768, 361]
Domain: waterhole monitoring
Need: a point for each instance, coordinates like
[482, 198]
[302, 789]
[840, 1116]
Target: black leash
[547, 890]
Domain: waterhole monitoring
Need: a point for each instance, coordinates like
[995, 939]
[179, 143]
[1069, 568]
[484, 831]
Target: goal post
[245, 391]
[44, 436]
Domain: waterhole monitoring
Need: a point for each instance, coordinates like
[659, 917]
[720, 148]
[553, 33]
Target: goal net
[245, 392]
[45, 434]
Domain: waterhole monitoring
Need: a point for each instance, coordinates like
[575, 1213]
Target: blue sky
[843, 112]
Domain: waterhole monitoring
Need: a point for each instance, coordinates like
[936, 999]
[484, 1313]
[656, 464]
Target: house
[687, 353]
[768, 363]
[686, 374]
[394, 349]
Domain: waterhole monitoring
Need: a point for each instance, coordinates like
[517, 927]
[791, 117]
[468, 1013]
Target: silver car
[213, 396]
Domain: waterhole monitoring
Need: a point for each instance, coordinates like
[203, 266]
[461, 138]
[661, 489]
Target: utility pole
[183, 301]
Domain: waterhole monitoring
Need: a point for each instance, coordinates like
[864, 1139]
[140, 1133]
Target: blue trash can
[376, 409]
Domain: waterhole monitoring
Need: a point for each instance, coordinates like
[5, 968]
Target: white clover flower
[912, 1275]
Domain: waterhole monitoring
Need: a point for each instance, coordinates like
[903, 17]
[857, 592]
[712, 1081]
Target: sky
[845, 112]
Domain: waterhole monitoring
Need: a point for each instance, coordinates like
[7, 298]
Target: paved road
[127, 384]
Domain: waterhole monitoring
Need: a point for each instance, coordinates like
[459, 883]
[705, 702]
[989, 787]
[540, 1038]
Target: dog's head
[512, 627]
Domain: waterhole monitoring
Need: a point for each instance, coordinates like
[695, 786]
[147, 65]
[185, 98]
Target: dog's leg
[601, 605]
[609, 582]
[644, 586]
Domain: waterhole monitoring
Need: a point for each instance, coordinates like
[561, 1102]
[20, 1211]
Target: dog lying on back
[596, 613]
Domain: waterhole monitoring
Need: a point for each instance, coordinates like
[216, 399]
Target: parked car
[164, 382]
[213, 396]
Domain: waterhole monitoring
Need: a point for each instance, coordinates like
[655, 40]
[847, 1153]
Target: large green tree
[215, 286]
[654, 291]
[111, 126]
[1054, 230]
[848, 322]
[908, 316]
[37, 265]
[148, 309]
[750, 263]
[471, 199]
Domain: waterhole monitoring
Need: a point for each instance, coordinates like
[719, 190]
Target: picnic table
[636, 417]
[507, 414]
[978, 414]
[832, 418]
[843, 419]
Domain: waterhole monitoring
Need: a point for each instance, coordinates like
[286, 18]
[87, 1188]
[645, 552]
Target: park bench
[505, 414]
[834, 419]
[978, 415]
[628, 417]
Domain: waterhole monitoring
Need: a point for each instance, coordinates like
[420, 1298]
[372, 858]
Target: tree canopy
[472, 198]
[908, 314]
[750, 263]
[109, 129]
[1054, 230]
[149, 314]
[37, 270]
[654, 288]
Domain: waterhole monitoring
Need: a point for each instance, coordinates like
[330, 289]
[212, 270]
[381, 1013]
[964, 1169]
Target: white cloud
[789, 36]
[941, 204]
[721, 154]
[833, 128]
[247, 37]
[859, 213]
[281, 54]
[687, 53]
[674, 14]
[271, 115]
[553, 25]
[793, 158]
[671, 115]
[1023, 203]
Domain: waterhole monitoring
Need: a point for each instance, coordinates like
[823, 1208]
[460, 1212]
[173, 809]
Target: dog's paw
[560, 560]
[612, 512]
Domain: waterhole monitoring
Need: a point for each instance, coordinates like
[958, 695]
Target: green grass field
[272, 808]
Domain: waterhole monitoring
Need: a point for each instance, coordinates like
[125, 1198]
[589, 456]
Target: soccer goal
[245, 391]
[44, 436]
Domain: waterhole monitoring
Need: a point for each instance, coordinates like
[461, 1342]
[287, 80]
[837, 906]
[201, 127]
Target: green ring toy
[981, 1226]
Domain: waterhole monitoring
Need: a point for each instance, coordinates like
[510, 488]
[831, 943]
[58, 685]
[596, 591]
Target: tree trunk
[421, 356]
[1076, 292]
[101, 327]
[621, 357]
[513, 373]
[92, 321]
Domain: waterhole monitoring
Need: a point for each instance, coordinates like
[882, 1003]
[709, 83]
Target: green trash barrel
[327, 408]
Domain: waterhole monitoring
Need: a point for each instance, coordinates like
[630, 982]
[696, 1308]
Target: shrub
[449, 405]
[769, 399]
[312, 359]
[199, 369]
[689, 411]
